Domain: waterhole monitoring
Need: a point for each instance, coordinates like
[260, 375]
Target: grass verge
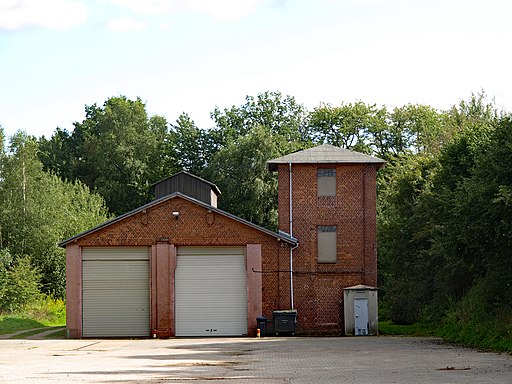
[43, 313]
[57, 335]
[12, 323]
[32, 332]
[417, 329]
[491, 334]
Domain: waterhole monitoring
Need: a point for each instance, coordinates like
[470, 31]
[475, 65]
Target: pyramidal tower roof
[325, 154]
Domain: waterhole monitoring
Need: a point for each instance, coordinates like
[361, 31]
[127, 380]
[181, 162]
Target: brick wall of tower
[318, 287]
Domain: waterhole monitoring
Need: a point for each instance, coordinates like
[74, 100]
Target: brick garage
[155, 227]
[176, 221]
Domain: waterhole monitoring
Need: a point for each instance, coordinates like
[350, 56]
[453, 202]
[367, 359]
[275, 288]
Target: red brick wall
[195, 226]
[318, 287]
[198, 227]
[73, 292]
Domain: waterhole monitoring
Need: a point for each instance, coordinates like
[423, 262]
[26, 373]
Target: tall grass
[45, 311]
[473, 322]
[492, 334]
[416, 329]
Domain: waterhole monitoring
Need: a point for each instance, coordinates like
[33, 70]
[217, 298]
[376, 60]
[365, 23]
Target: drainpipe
[364, 226]
[291, 235]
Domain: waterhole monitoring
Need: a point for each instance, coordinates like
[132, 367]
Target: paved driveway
[242, 360]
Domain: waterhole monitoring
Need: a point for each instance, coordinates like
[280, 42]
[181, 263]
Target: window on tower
[326, 238]
[326, 182]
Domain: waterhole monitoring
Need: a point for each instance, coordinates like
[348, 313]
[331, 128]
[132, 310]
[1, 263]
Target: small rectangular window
[327, 244]
[326, 181]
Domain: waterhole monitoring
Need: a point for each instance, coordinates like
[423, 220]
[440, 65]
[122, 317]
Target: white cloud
[54, 14]
[219, 9]
[225, 9]
[166, 25]
[150, 6]
[126, 24]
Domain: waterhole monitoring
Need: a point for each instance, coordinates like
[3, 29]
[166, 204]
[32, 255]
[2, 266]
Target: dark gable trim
[279, 236]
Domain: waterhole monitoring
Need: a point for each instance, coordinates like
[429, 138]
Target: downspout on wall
[364, 225]
[291, 235]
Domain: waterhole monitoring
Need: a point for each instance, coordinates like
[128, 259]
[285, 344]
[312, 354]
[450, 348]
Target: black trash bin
[262, 325]
[284, 321]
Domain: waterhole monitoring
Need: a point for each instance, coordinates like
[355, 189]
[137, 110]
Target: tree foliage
[376, 130]
[444, 198]
[190, 148]
[39, 210]
[281, 115]
[243, 140]
[19, 282]
[117, 151]
[254, 194]
[347, 126]
[445, 218]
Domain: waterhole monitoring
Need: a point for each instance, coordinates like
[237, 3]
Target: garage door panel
[215, 328]
[211, 291]
[97, 270]
[115, 297]
[115, 253]
[214, 316]
[215, 251]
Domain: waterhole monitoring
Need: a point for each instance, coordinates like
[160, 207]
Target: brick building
[179, 266]
[333, 216]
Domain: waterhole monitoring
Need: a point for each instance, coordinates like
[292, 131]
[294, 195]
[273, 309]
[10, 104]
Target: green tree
[2, 138]
[411, 128]
[117, 151]
[482, 220]
[189, 147]
[240, 170]
[243, 140]
[59, 154]
[346, 126]
[405, 267]
[282, 115]
[19, 284]
[371, 129]
[39, 210]
[435, 221]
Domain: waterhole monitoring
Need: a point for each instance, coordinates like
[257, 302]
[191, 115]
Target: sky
[57, 56]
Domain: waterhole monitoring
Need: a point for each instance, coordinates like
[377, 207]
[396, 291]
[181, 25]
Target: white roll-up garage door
[115, 292]
[211, 291]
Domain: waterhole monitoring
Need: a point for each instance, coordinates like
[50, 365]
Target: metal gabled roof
[278, 235]
[325, 154]
[214, 187]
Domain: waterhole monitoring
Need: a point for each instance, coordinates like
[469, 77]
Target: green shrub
[43, 312]
[19, 284]
[416, 329]
[404, 304]
[471, 323]
[46, 309]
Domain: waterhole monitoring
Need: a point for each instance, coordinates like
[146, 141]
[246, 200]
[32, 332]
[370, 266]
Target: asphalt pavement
[365, 360]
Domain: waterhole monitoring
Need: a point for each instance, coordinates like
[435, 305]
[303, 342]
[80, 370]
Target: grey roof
[278, 235]
[325, 154]
[360, 287]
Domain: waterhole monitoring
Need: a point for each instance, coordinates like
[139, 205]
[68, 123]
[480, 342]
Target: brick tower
[327, 200]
